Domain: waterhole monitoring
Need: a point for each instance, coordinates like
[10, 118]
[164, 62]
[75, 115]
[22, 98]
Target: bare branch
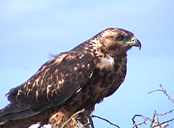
[165, 113]
[144, 122]
[155, 122]
[106, 120]
[164, 91]
[91, 122]
[165, 123]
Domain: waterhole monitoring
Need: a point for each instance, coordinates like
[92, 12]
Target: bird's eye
[120, 38]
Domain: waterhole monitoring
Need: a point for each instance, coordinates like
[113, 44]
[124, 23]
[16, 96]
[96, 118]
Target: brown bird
[74, 80]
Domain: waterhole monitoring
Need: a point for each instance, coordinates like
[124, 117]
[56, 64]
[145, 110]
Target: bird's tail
[12, 114]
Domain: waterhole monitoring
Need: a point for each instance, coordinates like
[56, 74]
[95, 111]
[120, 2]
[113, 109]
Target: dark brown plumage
[71, 81]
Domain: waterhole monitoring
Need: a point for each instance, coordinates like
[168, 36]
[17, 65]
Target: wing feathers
[55, 82]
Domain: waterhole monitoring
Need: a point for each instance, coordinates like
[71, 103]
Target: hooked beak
[135, 42]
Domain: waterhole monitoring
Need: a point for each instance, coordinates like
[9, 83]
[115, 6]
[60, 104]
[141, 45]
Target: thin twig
[145, 119]
[134, 122]
[165, 122]
[164, 91]
[101, 118]
[91, 122]
[165, 113]
[154, 122]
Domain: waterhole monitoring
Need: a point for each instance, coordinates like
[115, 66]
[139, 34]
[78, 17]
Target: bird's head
[113, 38]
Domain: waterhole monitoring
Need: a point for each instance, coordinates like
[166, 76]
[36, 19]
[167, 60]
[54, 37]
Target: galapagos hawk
[73, 80]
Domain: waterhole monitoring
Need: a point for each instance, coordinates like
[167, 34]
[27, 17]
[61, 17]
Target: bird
[71, 81]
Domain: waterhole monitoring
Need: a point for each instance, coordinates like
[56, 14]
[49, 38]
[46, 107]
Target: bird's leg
[58, 118]
[63, 119]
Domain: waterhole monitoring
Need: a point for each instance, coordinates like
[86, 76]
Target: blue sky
[33, 30]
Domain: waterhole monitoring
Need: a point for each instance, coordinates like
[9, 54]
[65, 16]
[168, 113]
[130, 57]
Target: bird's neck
[96, 48]
[92, 46]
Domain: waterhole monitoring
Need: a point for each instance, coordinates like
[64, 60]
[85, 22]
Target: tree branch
[101, 118]
[164, 91]
[154, 122]
[145, 120]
